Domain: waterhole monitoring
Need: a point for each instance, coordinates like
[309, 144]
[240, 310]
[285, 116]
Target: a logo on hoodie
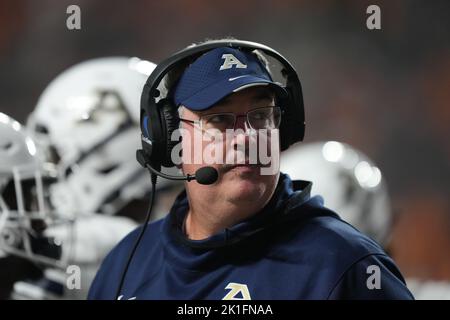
[238, 291]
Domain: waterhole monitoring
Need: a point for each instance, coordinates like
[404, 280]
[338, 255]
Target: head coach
[237, 232]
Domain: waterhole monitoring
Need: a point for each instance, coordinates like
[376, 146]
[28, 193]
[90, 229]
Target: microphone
[204, 175]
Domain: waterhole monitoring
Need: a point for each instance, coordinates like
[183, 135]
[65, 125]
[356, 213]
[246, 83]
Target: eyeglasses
[260, 118]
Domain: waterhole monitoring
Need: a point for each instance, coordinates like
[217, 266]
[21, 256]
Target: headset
[159, 119]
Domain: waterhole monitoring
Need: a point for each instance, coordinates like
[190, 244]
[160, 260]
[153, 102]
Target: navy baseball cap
[218, 73]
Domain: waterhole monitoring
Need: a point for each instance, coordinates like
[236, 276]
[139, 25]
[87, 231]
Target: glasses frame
[236, 116]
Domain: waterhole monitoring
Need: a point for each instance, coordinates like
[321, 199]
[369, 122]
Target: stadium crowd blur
[386, 92]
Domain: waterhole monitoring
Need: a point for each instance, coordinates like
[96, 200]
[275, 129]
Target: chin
[243, 187]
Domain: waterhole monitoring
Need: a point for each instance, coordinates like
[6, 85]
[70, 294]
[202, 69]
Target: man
[253, 234]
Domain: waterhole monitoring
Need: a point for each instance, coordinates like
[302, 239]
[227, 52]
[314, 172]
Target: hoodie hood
[198, 254]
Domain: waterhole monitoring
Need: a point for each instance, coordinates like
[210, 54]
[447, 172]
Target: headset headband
[165, 66]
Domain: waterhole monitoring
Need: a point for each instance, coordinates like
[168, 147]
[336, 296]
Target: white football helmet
[91, 238]
[429, 289]
[30, 229]
[24, 210]
[349, 182]
[87, 120]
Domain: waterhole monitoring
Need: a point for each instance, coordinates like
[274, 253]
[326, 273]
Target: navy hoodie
[294, 248]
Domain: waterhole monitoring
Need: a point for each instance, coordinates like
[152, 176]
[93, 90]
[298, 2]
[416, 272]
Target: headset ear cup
[171, 122]
[292, 127]
[144, 130]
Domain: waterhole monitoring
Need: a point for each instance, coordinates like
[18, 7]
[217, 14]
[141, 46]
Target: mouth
[244, 167]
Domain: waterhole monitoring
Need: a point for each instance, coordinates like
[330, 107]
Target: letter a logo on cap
[230, 61]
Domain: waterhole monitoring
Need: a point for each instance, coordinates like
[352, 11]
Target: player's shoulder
[114, 260]
[151, 235]
[112, 267]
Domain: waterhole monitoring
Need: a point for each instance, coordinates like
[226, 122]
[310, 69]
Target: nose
[241, 134]
[242, 123]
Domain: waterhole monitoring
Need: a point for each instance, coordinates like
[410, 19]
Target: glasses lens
[221, 122]
[265, 118]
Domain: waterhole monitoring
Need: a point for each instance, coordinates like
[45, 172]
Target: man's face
[242, 178]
